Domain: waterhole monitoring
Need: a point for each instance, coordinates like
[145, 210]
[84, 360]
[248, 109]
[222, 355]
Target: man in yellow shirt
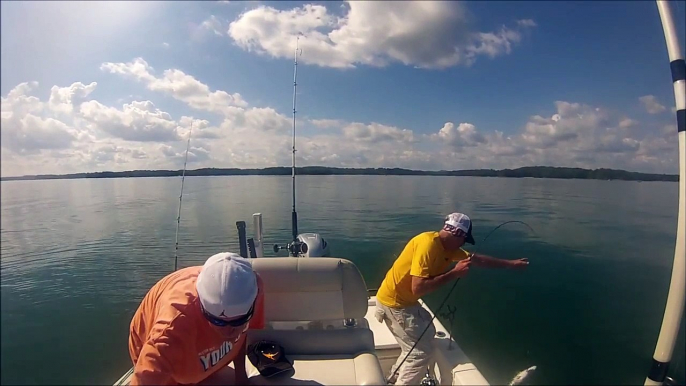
[421, 268]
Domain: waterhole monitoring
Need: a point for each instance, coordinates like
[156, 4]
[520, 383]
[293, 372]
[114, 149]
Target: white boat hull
[451, 367]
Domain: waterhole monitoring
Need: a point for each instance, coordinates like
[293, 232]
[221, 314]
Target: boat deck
[452, 366]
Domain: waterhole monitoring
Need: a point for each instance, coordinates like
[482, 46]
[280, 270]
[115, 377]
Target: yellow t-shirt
[423, 256]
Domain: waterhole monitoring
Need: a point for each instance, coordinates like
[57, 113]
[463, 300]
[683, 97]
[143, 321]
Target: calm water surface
[79, 255]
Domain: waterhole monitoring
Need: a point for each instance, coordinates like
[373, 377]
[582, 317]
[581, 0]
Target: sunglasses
[232, 323]
[455, 231]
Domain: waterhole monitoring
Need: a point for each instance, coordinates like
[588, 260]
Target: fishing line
[448, 296]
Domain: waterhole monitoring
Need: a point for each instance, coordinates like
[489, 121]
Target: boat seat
[324, 357]
[362, 369]
[307, 290]
[301, 289]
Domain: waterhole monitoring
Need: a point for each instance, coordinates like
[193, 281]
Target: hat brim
[469, 239]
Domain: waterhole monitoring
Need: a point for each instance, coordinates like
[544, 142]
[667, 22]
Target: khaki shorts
[407, 325]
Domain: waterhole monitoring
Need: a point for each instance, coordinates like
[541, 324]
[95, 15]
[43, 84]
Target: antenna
[178, 218]
[294, 215]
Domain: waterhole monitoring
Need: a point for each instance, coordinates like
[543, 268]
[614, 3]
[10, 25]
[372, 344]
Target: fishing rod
[448, 296]
[294, 214]
[305, 244]
[178, 218]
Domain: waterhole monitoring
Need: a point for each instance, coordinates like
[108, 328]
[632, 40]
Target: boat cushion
[309, 289]
[328, 357]
[319, 357]
[362, 369]
[346, 341]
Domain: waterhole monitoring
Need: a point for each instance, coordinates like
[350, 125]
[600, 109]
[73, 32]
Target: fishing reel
[428, 380]
[294, 248]
[306, 245]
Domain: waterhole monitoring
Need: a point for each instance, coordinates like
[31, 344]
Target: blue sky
[425, 85]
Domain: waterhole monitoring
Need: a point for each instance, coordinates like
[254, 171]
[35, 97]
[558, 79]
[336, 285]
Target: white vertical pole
[257, 236]
[674, 309]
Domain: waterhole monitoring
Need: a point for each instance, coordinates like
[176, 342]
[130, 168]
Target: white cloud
[376, 132]
[62, 98]
[465, 134]
[579, 135]
[165, 44]
[500, 147]
[526, 23]
[669, 129]
[109, 153]
[493, 44]
[651, 104]
[137, 121]
[19, 102]
[62, 136]
[199, 126]
[180, 86]
[30, 134]
[572, 121]
[23, 130]
[327, 123]
[198, 154]
[66, 135]
[627, 122]
[213, 24]
[425, 34]
[264, 119]
[576, 135]
[195, 153]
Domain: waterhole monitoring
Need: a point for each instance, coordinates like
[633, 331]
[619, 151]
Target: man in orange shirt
[192, 323]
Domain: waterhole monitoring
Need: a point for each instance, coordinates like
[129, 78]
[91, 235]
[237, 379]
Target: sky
[115, 86]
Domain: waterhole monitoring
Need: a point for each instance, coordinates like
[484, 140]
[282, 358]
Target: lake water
[79, 255]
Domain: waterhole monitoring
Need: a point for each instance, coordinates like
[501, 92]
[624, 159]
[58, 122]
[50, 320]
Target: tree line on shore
[530, 171]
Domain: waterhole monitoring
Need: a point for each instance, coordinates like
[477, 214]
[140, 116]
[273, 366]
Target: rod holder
[251, 248]
[258, 235]
[242, 242]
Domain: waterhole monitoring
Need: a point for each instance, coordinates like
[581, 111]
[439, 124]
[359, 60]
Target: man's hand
[519, 263]
[461, 268]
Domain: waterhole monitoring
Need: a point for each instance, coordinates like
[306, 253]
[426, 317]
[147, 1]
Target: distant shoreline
[529, 171]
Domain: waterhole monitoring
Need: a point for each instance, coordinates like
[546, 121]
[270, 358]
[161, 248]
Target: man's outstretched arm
[491, 262]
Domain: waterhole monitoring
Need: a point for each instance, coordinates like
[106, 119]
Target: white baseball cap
[455, 222]
[227, 285]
